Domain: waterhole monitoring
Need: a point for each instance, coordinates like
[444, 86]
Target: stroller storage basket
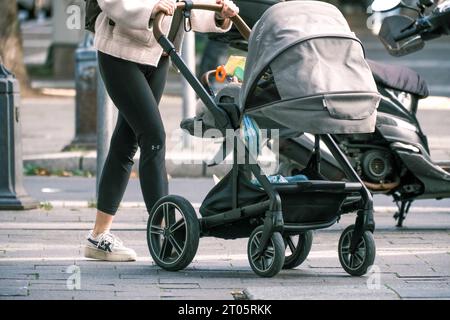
[306, 202]
[313, 207]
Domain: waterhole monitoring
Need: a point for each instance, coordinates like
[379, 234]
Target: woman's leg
[152, 162]
[139, 124]
[102, 245]
[117, 168]
[103, 222]
[130, 88]
[115, 174]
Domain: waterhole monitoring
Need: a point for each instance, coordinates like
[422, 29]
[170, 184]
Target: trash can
[12, 193]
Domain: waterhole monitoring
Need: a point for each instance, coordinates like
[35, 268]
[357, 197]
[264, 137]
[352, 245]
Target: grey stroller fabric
[306, 71]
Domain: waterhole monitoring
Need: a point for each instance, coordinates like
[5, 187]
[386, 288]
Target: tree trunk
[11, 50]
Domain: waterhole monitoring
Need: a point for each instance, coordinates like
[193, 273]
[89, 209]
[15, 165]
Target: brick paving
[38, 248]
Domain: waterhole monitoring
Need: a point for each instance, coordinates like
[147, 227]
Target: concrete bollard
[12, 193]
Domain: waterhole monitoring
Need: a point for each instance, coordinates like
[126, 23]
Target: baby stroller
[288, 85]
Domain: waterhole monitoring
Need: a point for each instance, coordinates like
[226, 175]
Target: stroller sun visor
[306, 70]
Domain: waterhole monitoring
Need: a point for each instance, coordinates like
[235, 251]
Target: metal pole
[86, 95]
[189, 97]
[105, 118]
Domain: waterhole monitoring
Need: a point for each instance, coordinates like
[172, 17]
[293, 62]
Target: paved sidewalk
[40, 250]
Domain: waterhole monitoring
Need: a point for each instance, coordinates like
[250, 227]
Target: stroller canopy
[305, 70]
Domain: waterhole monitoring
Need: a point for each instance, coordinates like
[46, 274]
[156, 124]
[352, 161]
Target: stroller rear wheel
[297, 249]
[270, 261]
[357, 263]
[173, 233]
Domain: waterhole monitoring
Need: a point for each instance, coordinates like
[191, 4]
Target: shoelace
[110, 238]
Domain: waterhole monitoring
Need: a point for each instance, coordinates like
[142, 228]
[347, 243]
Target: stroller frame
[269, 210]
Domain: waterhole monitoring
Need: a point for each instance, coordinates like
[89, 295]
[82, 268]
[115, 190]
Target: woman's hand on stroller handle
[234, 17]
[229, 9]
[167, 7]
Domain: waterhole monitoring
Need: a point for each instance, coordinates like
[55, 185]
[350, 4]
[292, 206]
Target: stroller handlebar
[242, 27]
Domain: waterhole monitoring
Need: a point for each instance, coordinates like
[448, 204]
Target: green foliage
[40, 71]
[46, 206]
[92, 204]
[33, 170]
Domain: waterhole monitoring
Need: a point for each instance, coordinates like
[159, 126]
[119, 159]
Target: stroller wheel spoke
[356, 260]
[269, 253]
[269, 257]
[257, 242]
[255, 255]
[164, 249]
[175, 245]
[348, 238]
[346, 249]
[351, 260]
[156, 230]
[291, 244]
[177, 225]
[360, 257]
[361, 244]
[166, 213]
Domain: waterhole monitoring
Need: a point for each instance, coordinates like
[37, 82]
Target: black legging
[136, 91]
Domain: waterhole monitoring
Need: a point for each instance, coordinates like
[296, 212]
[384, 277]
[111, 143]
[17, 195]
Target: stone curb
[179, 165]
[83, 204]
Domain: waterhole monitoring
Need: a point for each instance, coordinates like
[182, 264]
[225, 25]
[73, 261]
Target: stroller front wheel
[357, 263]
[270, 261]
[173, 233]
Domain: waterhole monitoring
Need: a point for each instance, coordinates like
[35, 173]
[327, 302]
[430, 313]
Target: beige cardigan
[131, 38]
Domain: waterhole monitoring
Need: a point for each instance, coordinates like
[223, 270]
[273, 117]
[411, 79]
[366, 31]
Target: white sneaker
[107, 247]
